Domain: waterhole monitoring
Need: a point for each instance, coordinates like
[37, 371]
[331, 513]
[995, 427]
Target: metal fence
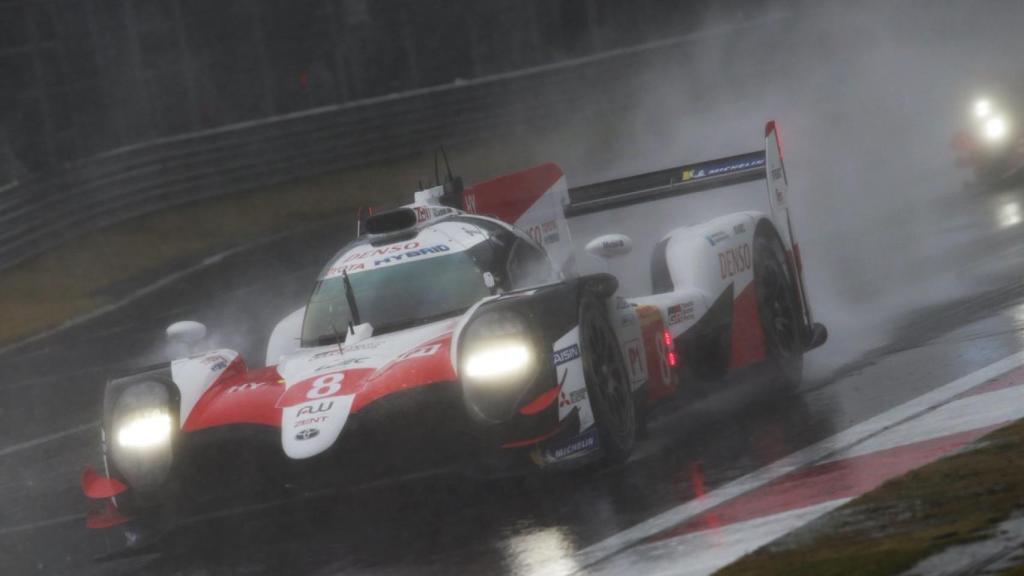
[42, 212]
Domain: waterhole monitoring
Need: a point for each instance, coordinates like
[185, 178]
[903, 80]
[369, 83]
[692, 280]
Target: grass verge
[954, 500]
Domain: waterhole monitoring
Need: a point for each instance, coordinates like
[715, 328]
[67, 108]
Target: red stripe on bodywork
[98, 487]
[412, 370]
[257, 397]
[748, 344]
[541, 402]
[241, 398]
[508, 197]
[108, 517]
[825, 482]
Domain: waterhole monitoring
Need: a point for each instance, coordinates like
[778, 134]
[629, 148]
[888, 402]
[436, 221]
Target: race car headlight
[145, 430]
[141, 433]
[995, 128]
[498, 361]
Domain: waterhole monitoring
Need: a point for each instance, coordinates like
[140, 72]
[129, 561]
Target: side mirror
[610, 245]
[187, 332]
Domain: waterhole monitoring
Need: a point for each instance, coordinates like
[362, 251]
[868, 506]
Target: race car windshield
[395, 297]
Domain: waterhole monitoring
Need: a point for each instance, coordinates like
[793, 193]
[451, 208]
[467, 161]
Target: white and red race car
[458, 330]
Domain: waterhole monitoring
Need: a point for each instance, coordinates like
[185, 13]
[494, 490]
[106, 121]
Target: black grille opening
[661, 280]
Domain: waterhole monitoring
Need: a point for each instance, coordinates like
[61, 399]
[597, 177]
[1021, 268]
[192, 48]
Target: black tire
[607, 381]
[778, 306]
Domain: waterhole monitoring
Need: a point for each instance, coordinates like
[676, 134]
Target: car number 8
[326, 385]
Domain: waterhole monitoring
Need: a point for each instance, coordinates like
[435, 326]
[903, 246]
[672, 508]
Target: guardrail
[42, 212]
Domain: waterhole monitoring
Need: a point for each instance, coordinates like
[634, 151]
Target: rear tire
[608, 386]
[779, 307]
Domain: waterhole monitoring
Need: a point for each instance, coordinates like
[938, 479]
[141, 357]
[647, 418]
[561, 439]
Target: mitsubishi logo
[307, 434]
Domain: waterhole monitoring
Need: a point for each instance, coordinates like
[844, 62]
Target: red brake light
[670, 348]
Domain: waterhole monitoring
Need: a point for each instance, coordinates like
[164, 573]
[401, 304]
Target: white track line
[157, 285]
[999, 407]
[821, 450]
[48, 438]
[144, 291]
[42, 524]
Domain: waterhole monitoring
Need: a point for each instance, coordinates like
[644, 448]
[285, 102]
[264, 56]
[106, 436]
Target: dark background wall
[80, 77]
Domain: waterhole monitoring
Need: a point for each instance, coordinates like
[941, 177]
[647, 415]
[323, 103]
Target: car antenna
[439, 151]
[447, 166]
[437, 173]
[351, 298]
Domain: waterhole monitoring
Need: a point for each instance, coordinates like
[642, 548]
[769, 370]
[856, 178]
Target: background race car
[990, 143]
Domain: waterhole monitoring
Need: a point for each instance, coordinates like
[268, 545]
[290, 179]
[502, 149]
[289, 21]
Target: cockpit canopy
[421, 275]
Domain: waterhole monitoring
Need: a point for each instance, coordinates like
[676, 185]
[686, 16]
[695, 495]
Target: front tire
[608, 386]
[778, 307]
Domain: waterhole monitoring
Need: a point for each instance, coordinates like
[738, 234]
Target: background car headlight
[982, 108]
[995, 128]
[141, 431]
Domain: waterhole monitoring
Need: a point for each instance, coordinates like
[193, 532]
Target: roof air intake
[391, 221]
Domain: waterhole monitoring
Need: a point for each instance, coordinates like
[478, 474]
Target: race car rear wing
[764, 165]
[666, 183]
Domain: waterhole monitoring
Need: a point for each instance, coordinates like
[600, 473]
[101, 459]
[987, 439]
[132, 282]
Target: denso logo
[734, 260]
[382, 251]
[566, 354]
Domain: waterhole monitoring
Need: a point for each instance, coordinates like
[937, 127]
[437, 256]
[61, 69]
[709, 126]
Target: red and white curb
[717, 528]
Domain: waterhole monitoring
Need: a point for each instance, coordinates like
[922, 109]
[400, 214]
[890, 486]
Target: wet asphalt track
[51, 394]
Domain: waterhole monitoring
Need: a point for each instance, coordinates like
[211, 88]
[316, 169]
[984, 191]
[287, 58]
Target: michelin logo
[586, 442]
[717, 169]
[566, 354]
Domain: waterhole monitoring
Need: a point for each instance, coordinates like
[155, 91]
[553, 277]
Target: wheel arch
[765, 226]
